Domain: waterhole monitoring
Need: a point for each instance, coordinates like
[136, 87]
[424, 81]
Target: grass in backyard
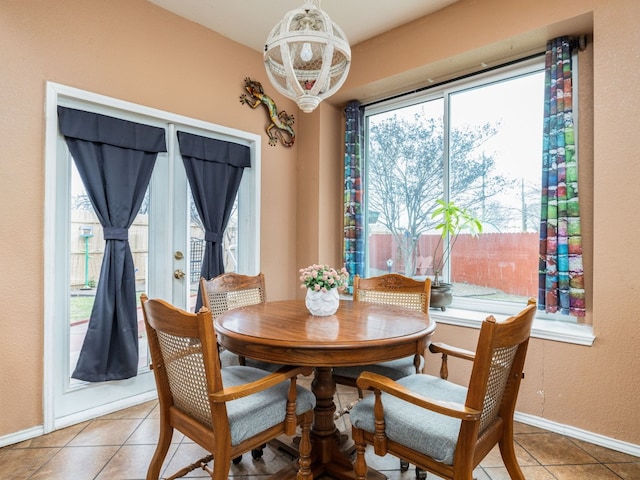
[81, 305]
[80, 308]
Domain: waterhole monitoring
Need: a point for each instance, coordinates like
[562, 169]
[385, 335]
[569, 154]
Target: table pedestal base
[339, 468]
[328, 458]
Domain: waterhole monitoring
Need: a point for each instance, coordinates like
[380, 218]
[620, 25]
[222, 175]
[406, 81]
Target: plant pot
[441, 296]
[322, 304]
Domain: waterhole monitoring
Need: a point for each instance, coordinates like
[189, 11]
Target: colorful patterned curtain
[561, 279]
[353, 217]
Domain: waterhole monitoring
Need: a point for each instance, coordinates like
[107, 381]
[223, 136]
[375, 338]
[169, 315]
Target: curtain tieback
[214, 237]
[112, 233]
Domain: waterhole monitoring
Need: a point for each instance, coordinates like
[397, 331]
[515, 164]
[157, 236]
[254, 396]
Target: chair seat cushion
[394, 369]
[251, 415]
[427, 432]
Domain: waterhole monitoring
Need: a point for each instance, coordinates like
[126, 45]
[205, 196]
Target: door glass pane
[230, 241]
[197, 244]
[196, 252]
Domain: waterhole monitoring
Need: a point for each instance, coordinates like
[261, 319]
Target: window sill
[544, 329]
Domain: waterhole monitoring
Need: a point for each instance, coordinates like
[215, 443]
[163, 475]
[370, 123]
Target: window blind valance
[213, 150]
[97, 128]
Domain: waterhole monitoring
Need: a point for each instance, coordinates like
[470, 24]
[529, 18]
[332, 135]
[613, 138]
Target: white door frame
[56, 244]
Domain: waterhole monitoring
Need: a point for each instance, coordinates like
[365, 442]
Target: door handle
[178, 274]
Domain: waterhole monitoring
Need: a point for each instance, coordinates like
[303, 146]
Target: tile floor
[119, 446]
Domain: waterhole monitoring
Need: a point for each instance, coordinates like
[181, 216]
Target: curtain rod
[579, 42]
[455, 79]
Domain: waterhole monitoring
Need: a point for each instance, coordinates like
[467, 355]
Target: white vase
[322, 304]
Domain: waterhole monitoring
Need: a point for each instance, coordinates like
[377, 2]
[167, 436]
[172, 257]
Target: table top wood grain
[358, 333]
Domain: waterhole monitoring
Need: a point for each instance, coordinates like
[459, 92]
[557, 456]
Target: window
[478, 143]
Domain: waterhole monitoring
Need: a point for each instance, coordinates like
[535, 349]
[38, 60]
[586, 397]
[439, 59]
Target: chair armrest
[437, 347]
[239, 391]
[373, 381]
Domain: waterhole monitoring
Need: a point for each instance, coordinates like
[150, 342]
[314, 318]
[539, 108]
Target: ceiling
[249, 21]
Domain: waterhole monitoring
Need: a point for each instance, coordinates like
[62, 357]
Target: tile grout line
[123, 443]
[60, 449]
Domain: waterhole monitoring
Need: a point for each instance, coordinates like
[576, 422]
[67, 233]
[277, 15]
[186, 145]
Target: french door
[166, 241]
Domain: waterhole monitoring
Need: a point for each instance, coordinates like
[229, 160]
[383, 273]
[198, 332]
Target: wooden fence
[86, 254]
[504, 261]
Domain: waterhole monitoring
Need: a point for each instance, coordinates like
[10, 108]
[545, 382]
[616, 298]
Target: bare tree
[405, 176]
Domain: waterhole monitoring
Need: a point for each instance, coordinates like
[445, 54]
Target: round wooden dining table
[359, 333]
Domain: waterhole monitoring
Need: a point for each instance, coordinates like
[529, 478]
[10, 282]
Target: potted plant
[323, 284]
[453, 221]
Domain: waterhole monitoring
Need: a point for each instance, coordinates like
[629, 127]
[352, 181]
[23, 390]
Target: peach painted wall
[131, 50]
[319, 194]
[134, 51]
[589, 388]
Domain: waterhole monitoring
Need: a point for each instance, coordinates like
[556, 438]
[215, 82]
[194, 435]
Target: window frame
[470, 312]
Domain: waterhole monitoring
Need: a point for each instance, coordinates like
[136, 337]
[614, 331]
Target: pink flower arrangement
[323, 278]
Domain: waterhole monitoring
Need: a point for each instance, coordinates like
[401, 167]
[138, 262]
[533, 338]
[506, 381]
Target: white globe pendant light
[307, 56]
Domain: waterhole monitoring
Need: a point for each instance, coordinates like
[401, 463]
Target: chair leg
[508, 454]
[304, 449]
[220, 468]
[463, 470]
[360, 466]
[164, 442]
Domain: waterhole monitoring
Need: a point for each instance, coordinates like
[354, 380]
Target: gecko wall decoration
[280, 127]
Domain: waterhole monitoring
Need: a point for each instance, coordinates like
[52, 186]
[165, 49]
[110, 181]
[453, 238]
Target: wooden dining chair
[233, 290]
[441, 427]
[227, 411]
[389, 289]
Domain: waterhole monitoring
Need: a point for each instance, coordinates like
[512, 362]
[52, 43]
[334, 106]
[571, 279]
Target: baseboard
[579, 434]
[21, 436]
[79, 417]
